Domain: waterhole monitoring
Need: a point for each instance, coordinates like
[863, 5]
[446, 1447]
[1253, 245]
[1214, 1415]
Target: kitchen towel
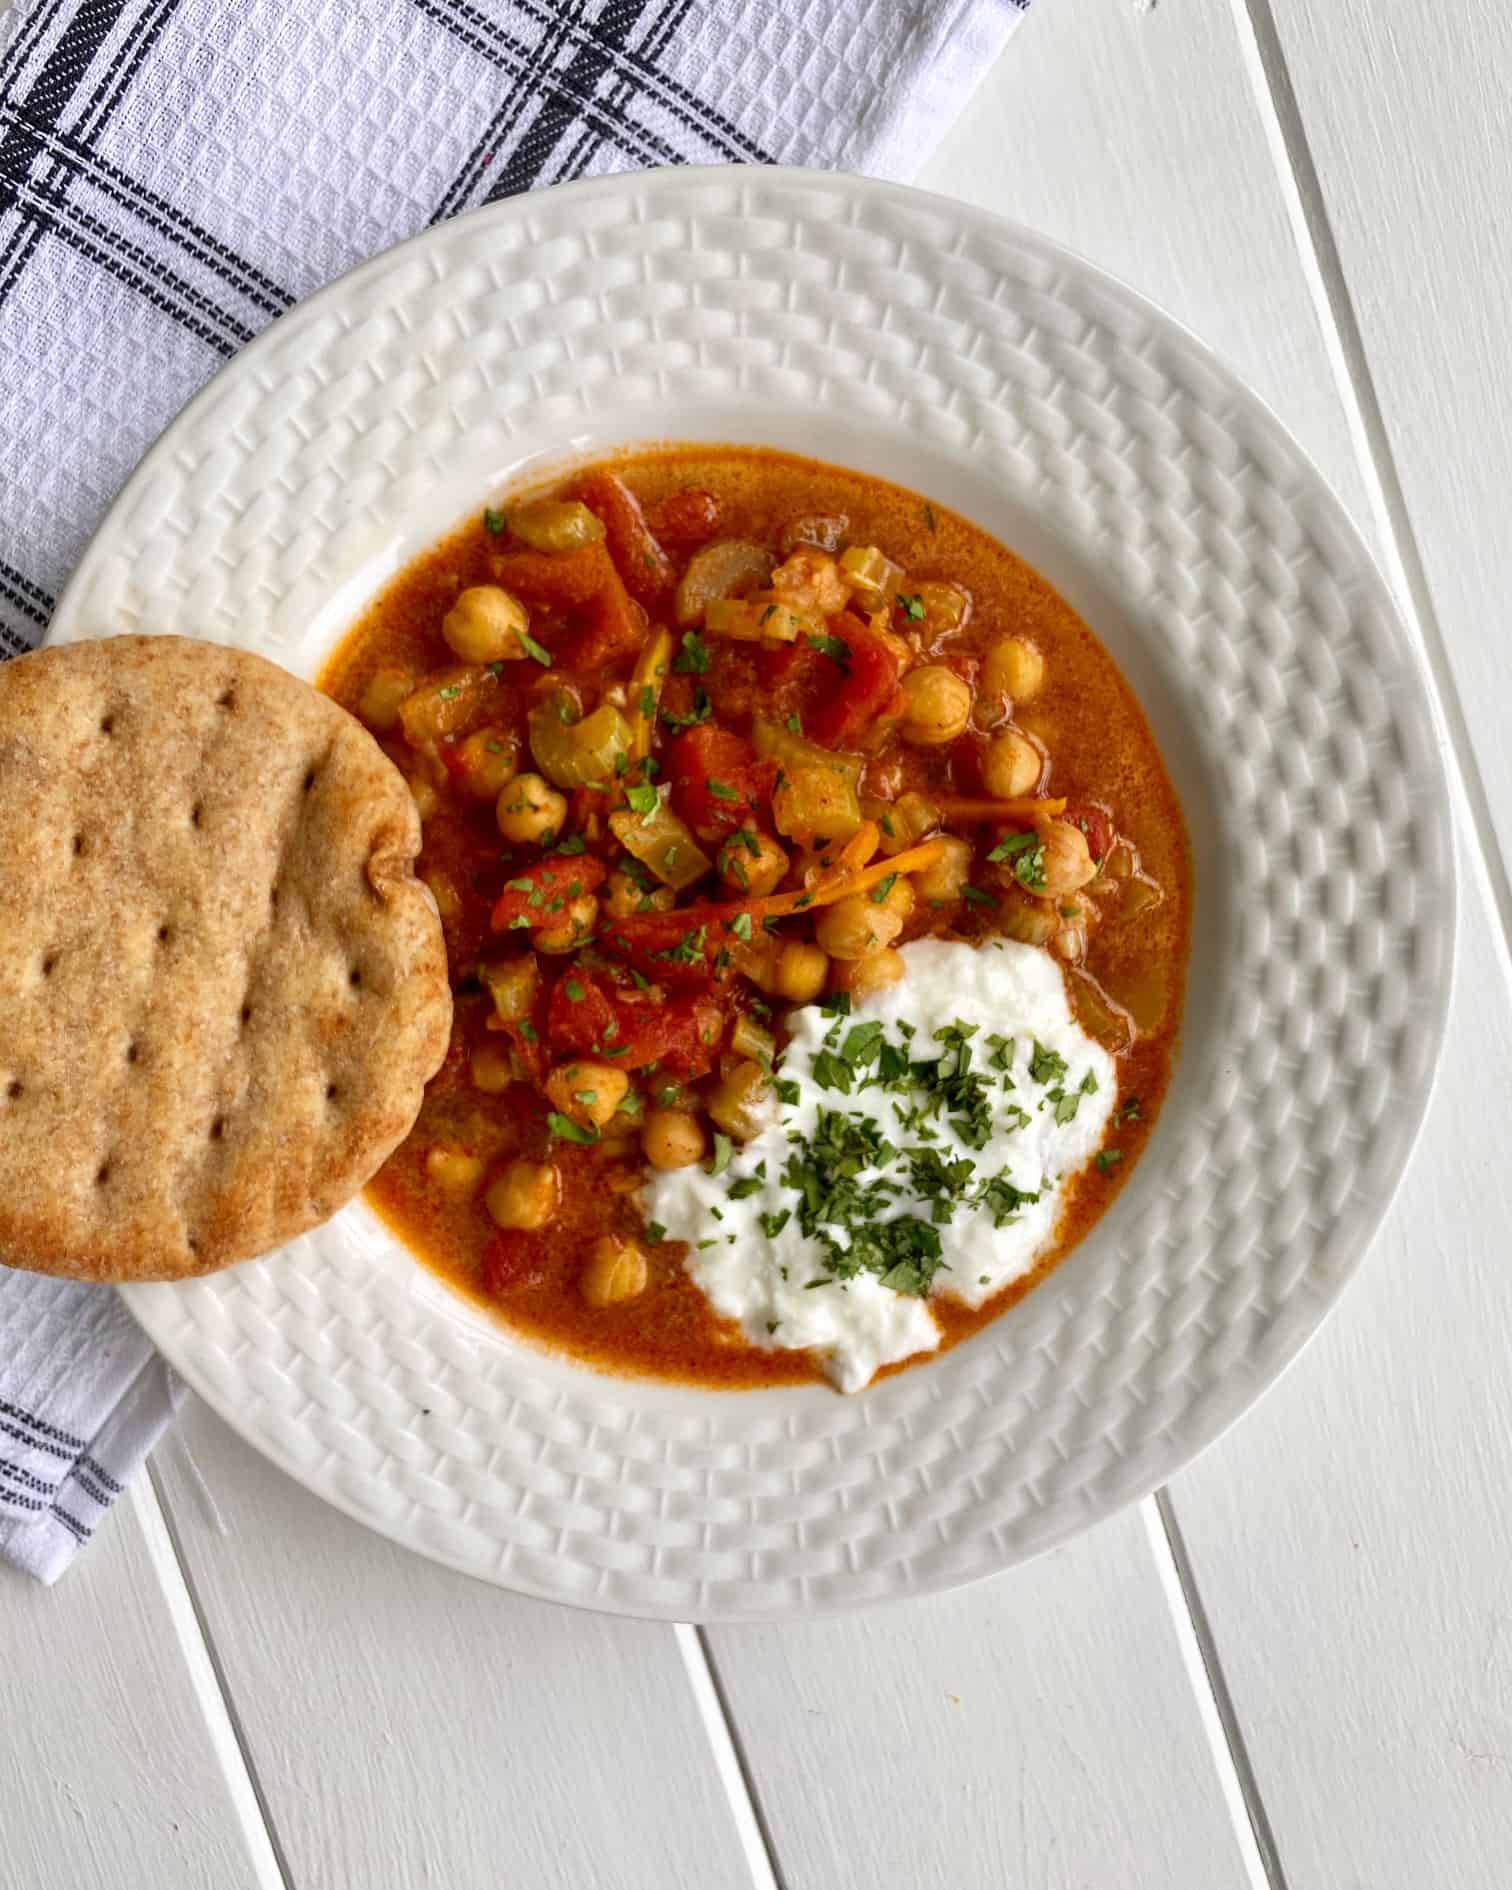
[176, 173]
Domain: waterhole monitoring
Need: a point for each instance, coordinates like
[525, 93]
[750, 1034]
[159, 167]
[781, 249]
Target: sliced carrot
[841, 885]
[862, 844]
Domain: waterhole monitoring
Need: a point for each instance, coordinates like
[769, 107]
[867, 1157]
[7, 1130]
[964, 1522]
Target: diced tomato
[588, 1016]
[685, 520]
[615, 626]
[565, 578]
[718, 780]
[688, 947]
[867, 689]
[644, 567]
[528, 895]
[1095, 822]
[679, 1034]
[780, 663]
[512, 1263]
[581, 1016]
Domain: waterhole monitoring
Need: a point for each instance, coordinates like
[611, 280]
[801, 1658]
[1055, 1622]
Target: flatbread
[222, 988]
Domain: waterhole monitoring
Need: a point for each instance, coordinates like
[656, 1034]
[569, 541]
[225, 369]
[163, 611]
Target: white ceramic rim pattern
[993, 371]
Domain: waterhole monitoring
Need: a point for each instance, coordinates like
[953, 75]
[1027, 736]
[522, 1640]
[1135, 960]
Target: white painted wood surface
[1325, 1701]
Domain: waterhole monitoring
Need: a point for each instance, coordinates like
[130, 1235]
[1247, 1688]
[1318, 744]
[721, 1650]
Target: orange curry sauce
[592, 606]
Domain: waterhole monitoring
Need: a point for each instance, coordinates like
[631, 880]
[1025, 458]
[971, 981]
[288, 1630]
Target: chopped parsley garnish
[724, 1148]
[794, 725]
[835, 647]
[837, 1004]
[974, 895]
[1108, 1159]
[1130, 1111]
[721, 790]
[693, 657]
[1045, 1066]
[643, 799]
[655, 1233]
[568, 1130]
[911, 607]
[575, 843]
[882, 888]
[1026, 851]
[574, 990]
[702, 709]
[740, 925]
[494, 521]
[532, 648]
[929, 518]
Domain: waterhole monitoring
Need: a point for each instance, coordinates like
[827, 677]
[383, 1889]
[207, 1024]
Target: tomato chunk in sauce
[658, 718]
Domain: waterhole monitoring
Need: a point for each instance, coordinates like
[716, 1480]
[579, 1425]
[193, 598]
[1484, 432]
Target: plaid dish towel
[176, 173]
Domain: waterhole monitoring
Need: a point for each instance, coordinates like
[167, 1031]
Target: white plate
[988, 369]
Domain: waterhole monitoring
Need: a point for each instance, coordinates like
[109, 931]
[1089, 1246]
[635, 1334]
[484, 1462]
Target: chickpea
[672, 1138]
[1068, 864]
[457, 1170]
[529, 810]
[427, 800]
[490, 759]
[616, 1271]
[752, 863]
[1013, 668]
[910, 819]
[523, 1196]
[386, 691]
[490, 1068]
[485, 625]
[571, 927]
[800, 972]
[936, 705]
[863, 924]
[587, 1092]
[942, 881]
[624, 894]
[862, 976]
[737, 1101]
[1012, 766]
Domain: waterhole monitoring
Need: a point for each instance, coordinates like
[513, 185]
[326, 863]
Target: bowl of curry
[708, 739]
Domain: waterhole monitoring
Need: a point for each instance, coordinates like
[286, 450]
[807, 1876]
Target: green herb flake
[831, 646]
[1045, 1066]
[574, 990]
[692, 658]
[882, 888]
[740, 925]
[568, 1130]
[1108, 1159]
[721, 790]
[974, 895]
[644, 800]
[494, 521]
[532, 648]
[911, 607]
[655, 1233]
[724, 1148]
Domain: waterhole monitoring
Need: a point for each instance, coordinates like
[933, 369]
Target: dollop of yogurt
[928, 1138]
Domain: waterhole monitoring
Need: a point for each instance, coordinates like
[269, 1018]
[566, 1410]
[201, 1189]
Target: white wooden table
[1294, 1666]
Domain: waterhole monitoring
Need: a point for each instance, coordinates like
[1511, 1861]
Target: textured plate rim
[1258, 1367]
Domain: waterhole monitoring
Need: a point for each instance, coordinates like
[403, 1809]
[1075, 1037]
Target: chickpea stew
[700, 736]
